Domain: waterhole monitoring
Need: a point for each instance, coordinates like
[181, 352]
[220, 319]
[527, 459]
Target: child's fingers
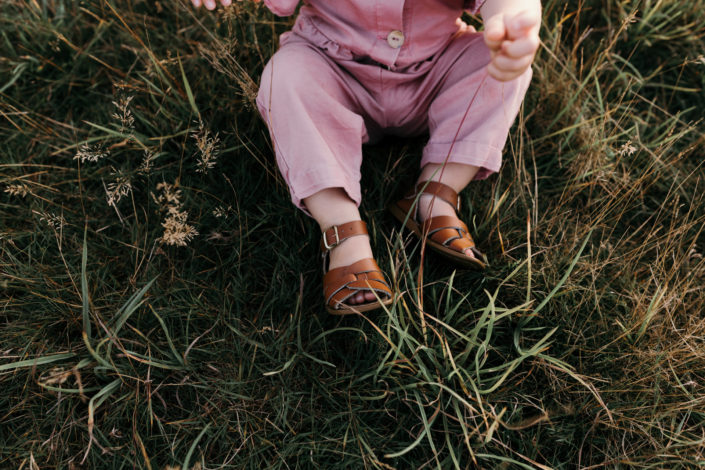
[463, 27]
[525, 20]
[497, 74]
[521, 24]
[495, 32]
[503, 75]
[211, 4]
[507, 64]
[521, 47]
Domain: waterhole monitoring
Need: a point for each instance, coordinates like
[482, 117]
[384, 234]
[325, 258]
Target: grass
[161, 298]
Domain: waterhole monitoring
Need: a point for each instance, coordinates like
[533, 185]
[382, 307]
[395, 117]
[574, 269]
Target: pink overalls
[351, 70]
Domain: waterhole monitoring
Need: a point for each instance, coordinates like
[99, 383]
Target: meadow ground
[160, 297]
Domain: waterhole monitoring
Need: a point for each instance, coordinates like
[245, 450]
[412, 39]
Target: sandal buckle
[335, 243]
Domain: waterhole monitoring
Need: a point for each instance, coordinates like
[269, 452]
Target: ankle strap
[440, 190]
[337, 234]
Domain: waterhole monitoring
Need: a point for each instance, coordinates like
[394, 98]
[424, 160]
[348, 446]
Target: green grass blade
[131, 306]
[179, 358]
[187, 87]
[187, 459]
[84, 288]
[36, 362]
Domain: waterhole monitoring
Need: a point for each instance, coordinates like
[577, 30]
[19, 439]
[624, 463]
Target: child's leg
[333, 207]
[455, 175]
[469, 142]
[311, 108]
[470, 114]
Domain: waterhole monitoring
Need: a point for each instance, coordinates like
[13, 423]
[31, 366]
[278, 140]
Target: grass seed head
[177, 232]
[54, 221]
[208, 148]
[147, 162]
[627, 149]
[88, 153]
[17, 190]
[168, 196]
[222, 212]
[123, 114]
[120, 187]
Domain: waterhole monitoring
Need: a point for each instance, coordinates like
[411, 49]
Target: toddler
[352, 70]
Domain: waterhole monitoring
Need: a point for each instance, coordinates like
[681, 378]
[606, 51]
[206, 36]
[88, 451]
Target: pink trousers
[321, 105]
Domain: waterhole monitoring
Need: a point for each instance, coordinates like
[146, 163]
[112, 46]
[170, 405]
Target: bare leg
[455, 175]
[331, 207]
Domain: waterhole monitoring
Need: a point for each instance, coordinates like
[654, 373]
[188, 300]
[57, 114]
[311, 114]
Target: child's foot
[349, 251]
[436, 222]
[439, 208]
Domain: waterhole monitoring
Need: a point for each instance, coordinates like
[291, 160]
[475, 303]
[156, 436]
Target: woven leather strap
[340, 284]
[450, 232]
[446, 230]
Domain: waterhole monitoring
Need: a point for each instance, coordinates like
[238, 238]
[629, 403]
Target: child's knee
[293, 72]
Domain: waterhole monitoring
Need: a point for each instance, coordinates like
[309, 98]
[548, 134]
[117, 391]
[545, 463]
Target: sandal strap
[440, 190]
[446, 231]
[340, 284]
[432, 188]
[337, 234]
[449, 231]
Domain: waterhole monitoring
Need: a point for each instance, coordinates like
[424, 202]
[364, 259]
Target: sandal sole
[352, 310]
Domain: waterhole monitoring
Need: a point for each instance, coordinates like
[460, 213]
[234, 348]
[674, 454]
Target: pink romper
[352, 70]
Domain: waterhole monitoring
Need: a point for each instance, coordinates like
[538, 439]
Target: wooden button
[395, 39]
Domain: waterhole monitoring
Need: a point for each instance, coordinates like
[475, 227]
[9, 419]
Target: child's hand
[513, 40]
[464, 28]
[210, 4]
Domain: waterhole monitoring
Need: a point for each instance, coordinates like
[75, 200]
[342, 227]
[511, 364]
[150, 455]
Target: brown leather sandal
[446, 235]
[340, 284]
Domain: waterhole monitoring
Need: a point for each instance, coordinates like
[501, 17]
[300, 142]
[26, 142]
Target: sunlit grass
[160, 296]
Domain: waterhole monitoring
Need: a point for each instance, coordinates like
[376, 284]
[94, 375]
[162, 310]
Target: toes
[361, 298]
[353, 299]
